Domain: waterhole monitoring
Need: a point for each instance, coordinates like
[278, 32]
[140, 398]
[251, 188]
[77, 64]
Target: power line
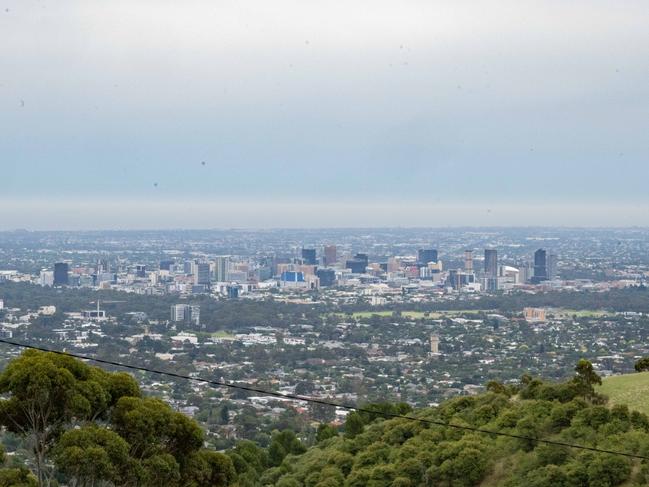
[313, 400]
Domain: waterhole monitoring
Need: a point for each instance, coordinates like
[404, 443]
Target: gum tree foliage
[48, 392]
[92, 428]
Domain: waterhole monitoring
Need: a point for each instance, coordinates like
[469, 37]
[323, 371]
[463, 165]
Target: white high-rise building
[221, 268]
[46, 278]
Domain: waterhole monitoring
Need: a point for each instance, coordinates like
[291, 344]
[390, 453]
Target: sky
[250, 113]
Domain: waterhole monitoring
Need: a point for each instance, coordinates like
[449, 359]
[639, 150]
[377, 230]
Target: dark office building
[61, 270]
[491, 263]
[327, 277]
[233, 292]
[165, 265]
[358, 264]
[308, 257]
[540, 266]
[140, 270]
[457, 280]
[424, 256]
[202, 274]
[362, 257]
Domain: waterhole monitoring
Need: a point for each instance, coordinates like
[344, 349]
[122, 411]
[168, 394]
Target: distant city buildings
[534, 314]
[491, 263]
[424, 256]
[61, 274]
[221, 268]
[327, 266]
[309, 257]
[330, 255]
[46, 278]
[540, 267]
[468, 261]
[202, 274]
[327, 277]
[186, 313]
[358, 264]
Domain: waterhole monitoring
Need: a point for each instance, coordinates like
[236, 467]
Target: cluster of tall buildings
[310, 268]
[495, 276]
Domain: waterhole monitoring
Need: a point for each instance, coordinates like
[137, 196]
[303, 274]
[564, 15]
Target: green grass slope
[629, 389]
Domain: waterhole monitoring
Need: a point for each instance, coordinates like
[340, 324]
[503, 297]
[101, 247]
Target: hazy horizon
[147, 114]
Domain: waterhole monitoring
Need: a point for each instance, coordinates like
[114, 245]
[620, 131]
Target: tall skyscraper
[221, 268]
[468, 260]
[202, 273]
[540, 266]
[491, 263]
[308, 257]
[330, 255]
[327, 277]
[424, 256]
[140, 270]
[61, 270]
[165, 265]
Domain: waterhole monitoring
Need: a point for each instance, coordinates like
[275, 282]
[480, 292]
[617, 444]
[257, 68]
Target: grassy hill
[629, 389]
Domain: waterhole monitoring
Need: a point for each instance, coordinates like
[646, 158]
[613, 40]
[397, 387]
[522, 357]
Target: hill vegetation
[83, 426]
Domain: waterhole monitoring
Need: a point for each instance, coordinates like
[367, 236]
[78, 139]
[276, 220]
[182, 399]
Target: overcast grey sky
[336, 113]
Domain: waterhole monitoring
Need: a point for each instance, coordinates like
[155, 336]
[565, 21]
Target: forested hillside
[400, 452]
[81, 426]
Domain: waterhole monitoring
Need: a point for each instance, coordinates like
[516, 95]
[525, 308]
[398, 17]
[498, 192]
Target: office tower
[221, 268]
[540, 266]
[330, 255]
[308, 257]
[526, 272]
[187, 313]
[202, 274]
[178, 312]
[327, 277]
[188, 266]
[61, 270]
[358, 264]
[233, 291]
[46, 278]
[491, 263]
[165, 265]
[424, 256]
[140, 270]
[552, 266]
[468, 260]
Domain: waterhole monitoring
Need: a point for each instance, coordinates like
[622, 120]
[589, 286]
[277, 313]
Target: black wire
[348, 407]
